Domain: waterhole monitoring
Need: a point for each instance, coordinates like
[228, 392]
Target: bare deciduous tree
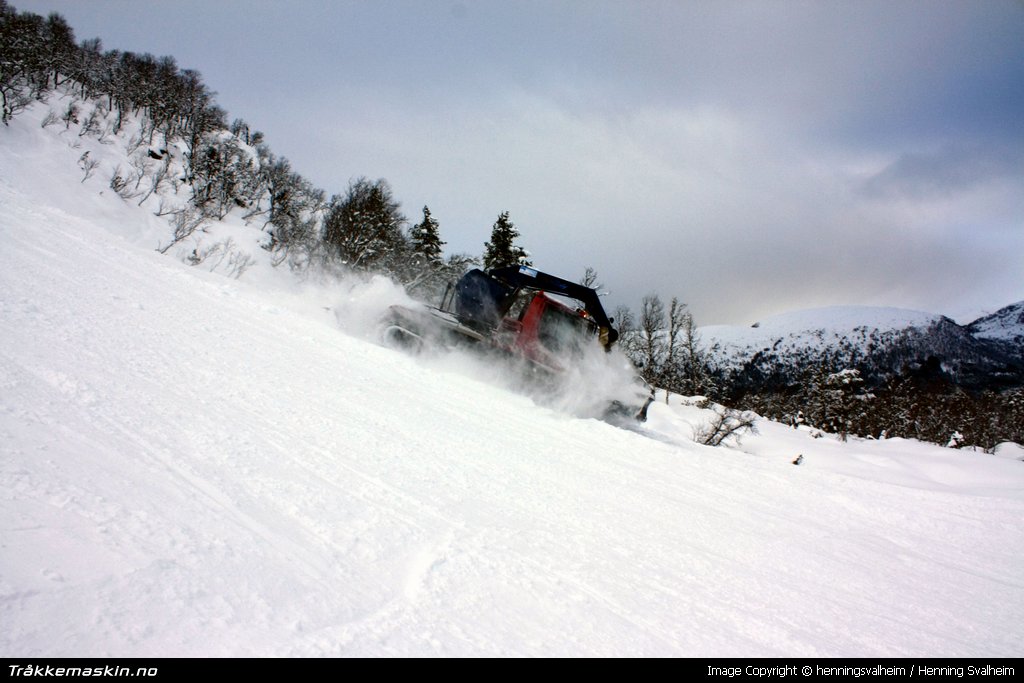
[649, 346]
[364, 228]
[185, 222]
[158, 178]
[87, 164]
[589, 279]
[727, 423]
[672, 365]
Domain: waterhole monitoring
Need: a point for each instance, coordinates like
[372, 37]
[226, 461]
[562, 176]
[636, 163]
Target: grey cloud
[746, 156]
[946, 172]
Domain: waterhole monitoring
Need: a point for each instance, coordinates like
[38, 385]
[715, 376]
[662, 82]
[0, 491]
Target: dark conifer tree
[502, 250]
[425, 273]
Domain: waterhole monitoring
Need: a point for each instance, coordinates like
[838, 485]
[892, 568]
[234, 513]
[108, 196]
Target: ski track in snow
[193, 465]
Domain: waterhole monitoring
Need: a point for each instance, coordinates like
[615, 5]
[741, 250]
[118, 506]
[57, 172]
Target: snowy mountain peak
[1006, 324]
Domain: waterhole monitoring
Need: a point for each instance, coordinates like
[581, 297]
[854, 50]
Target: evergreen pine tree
[426, 272]
[502, 250]
[426, 241]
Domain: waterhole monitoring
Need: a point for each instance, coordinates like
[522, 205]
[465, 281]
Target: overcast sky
[748, 157]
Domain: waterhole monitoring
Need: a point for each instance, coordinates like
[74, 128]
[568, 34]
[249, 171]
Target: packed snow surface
[193, 465]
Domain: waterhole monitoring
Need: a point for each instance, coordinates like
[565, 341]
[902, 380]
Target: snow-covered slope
[192, 464]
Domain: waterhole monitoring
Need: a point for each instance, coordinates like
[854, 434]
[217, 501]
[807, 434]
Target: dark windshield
[562, 332]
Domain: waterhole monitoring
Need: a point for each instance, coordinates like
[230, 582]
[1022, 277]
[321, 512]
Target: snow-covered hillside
[194, 464]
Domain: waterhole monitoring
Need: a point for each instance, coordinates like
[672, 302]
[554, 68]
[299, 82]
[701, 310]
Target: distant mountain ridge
[880, 342]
